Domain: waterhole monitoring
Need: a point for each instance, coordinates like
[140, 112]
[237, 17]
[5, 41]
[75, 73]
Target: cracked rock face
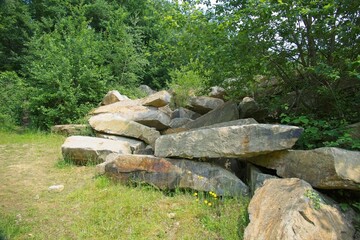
[290, 209]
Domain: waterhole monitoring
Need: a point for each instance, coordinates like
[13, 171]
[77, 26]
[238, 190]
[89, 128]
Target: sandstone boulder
[82, 150]
[112, 97]
[71, 129]
[148, 116]
[235, 141]
[114, 124]
[135, 144]
[326, 168]
[173, 173]
[158, 99]
[291, 209]
[203, 105]
[224, 113]
[238, 122]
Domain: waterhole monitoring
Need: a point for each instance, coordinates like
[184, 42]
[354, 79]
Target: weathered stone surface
[256, 178]
[158, 99]
[112, 123]
[238, 122]
[217, 92]
[135, 144]
[203, 105]
[173, 173]
[146, 89]
[71, 129]
[178, 122]
[112, 97]
[116, 107]
[82, 150]
[224, 113]
[184, 113]
[148, 150]
[291, 209]
[148, 116]
[235, 141]
[249, 108]
[326, 168]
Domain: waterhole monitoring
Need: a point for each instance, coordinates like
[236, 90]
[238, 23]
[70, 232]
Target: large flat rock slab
[112, 123]
[325, 168]
[158, 99]
[204, 104]
[291, 209]
[173, 173]
[148, 116]
[83, 150]
[232, 142]
[224, 113]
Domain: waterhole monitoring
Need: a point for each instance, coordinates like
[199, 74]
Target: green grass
[94, 207]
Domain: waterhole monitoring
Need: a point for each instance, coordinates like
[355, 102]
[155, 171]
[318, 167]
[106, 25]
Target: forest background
[58, 58]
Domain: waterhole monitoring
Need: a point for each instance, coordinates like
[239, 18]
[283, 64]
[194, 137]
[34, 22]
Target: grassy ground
[95, 208]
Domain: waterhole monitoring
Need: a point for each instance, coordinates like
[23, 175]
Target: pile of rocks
[202, 146]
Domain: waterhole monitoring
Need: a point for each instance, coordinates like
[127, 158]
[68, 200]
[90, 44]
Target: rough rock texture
[237, 122]
[235, 141]
[249, 108]
[71, 129]
[115, 124]
[256, 178]
[148, 116]
[173, 173]
[184, 113]
[116, 107]
[179, 122]
[224, 113]
[82, 150]
[146, 89]
[217, 92]
[135, 144]
[326, 168]
[158, 99]
[203, 105]
[112, 97]
[291, 209]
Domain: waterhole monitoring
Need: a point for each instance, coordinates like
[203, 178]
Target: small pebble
[56, 188]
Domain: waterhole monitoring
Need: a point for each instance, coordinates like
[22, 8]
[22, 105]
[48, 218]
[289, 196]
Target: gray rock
[173, 173]
[249, 108]
[238, 122]
[71, 129]
[231, 142]
[146, 89]
[256, 178]
[217, 92]
[82, 150]
[135, 144]
[179, 122]
[291, 209]
[148, 150]
[325, 168]
[112, 123]
[112, 97]
[203, 105]
[184, 113]
[158, 99]
[225, 113]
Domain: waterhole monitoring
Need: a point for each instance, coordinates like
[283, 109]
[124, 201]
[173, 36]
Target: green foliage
[13, 97]
[314, 198]
[15, 30]
[186, 83]
[71, 68]
[321, 133]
